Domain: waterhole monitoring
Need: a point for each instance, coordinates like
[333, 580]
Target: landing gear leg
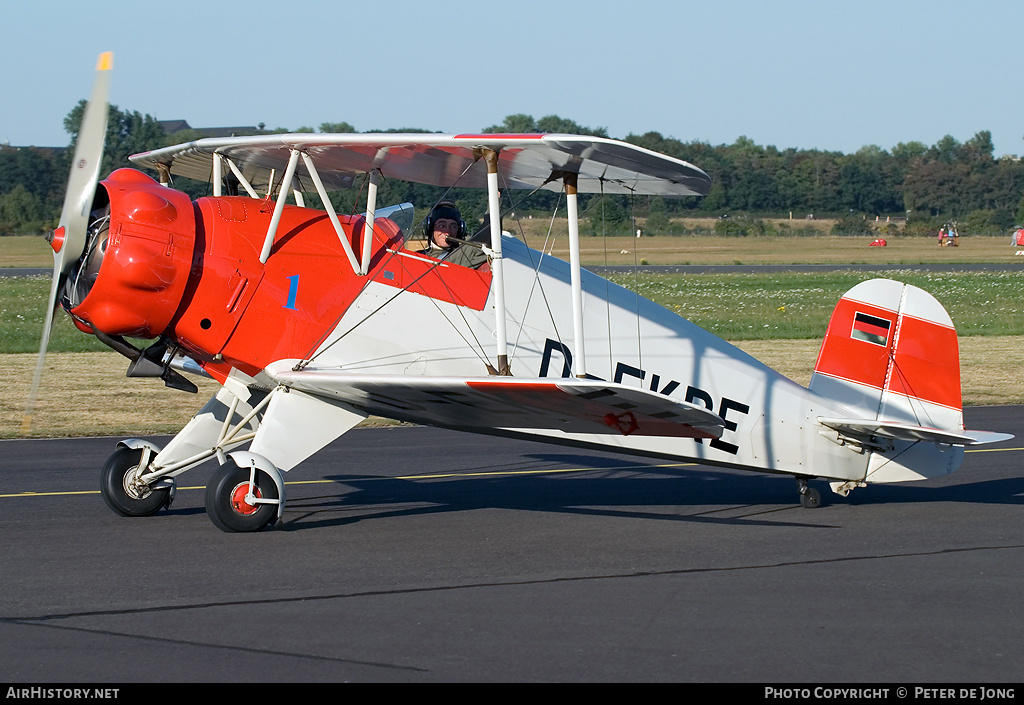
[810, 498]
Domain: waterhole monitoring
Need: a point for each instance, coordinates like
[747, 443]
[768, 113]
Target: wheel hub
[135, 488]
[239, 503]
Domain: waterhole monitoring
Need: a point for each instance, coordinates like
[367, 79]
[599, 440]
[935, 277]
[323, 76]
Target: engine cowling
[135, 272]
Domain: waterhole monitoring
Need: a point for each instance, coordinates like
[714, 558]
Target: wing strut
[371, 208]
[218, 175]
[238, 175]
[579, 359]
[289, 175]
[275, 219]
[322, 192]
[497, 272]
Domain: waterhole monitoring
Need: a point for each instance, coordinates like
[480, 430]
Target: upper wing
[570, 405]
[528, 161]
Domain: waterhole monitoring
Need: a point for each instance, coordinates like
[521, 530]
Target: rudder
[891, 353]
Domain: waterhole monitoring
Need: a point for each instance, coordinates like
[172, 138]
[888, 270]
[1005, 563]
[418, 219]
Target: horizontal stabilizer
[569, 405]
[909, 432]
[982, 437]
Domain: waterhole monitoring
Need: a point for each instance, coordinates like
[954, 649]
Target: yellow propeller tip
[106, 61]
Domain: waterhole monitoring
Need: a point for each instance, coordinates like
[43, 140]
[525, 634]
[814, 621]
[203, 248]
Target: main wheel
[810, 499]
[121, 490]
[225, 499]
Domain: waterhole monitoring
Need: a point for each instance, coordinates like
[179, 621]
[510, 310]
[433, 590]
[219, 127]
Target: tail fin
[891, 354]
[891, 357]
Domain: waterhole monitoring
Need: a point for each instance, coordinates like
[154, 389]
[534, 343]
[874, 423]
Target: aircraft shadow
[612, 486]
[615, 487]
[1001, 491]
[592, 486]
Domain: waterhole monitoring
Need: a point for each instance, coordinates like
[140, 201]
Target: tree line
[927, 185]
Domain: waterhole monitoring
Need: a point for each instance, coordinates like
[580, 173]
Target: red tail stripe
[926, 361]
[846, 357]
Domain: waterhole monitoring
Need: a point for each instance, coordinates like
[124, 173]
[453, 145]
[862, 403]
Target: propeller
[69, 239]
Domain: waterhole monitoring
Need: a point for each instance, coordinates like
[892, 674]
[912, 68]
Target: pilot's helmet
[444, 209]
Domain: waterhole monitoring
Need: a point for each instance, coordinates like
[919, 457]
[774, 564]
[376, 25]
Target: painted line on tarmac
[494, 473]
[437, 476]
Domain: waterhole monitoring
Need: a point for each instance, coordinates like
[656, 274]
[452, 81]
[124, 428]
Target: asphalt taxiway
[411, 554]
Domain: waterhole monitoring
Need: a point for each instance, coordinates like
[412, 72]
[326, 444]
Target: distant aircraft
[311, 321]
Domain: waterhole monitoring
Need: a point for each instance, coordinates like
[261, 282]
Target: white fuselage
[771, 421]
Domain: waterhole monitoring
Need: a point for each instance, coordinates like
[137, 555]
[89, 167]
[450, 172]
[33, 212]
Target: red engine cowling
[144, 258]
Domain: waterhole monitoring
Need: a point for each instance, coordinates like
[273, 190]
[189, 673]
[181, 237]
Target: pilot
[445, 231]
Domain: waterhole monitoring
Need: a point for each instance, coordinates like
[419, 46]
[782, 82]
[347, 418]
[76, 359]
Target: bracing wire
[536, 285]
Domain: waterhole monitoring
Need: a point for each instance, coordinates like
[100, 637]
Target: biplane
[312, 320]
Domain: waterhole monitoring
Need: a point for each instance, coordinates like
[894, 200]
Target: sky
[788, 73]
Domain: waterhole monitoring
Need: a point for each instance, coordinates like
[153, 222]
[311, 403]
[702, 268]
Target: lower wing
[570, 405]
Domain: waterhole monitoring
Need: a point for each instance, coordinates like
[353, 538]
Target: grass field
[86, 394]
[733, 306]
[777, 318]
[24, 251]
[799, 304]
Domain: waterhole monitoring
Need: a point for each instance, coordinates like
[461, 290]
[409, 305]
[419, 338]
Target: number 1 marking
[293, 290]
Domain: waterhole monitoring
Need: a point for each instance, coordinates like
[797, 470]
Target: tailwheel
[124, 492]
[228, 502]
[810, 498]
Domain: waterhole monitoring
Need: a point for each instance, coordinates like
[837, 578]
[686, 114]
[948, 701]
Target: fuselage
[770, 420]
[413, 315]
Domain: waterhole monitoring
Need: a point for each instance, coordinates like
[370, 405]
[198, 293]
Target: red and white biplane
[311, 321]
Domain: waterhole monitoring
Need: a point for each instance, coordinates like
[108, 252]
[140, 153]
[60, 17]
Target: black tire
[225, 503]
[810, 499]
[118, 492]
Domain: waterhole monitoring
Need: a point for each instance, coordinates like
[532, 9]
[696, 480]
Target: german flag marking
[871, 329]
